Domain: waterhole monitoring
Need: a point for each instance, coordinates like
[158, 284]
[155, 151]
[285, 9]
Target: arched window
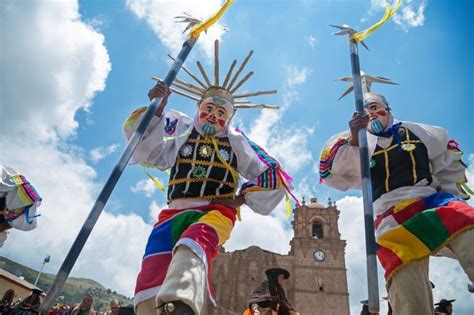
[318, 230]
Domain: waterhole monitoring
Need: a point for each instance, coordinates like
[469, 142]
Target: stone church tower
[318, 281]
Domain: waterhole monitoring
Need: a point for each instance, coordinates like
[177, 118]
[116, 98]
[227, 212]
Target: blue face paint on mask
[209, 129]
[376, 126]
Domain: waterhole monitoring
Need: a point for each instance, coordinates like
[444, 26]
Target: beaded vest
[198, 172]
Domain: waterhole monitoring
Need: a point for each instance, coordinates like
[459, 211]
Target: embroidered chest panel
[399, 165]
[198, 171]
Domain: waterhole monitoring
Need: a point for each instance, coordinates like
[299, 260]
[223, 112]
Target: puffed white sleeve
[447, 167]
[339, 163]
[21, 200]
[265, 182]
[161, 140]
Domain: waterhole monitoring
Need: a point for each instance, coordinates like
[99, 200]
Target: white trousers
[185, 281]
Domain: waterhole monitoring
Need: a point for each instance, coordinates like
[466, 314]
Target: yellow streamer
[468, 189]
[288, 205]
[389, 12]
[154, 180]
[235, 176]
[201, 27]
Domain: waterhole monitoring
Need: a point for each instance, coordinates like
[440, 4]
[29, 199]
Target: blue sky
[86, 66]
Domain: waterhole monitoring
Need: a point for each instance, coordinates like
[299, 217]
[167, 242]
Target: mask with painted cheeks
[378, 117]
[214, 114]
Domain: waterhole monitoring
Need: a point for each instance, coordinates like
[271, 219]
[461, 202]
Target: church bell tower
[320, 270]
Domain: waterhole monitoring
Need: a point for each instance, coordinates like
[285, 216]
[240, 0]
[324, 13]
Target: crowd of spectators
[11, 305]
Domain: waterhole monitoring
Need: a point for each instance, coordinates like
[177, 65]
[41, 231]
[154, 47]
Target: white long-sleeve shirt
[166, 135]
[445, 164]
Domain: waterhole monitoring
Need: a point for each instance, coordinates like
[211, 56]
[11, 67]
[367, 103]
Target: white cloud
[145, 186]
[291, 146]
[287, 143]
[451, 283]
[297, 76]
[311, 40]
[155, 210]
[160, 16]
[411, 13]
[411, 16]
[248, 232]
[97, 22]
[68, 188]
[100, 153]
[52, 75]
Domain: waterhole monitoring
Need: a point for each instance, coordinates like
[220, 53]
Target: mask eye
[373, 107]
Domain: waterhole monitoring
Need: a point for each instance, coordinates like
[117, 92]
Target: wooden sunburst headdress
[227, 89]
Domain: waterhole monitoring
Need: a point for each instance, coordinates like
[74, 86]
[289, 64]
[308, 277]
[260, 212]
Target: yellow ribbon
[154, 180]
[235, 176]
[201, 27]
[288, 205]
[389, 12]
[467, 189]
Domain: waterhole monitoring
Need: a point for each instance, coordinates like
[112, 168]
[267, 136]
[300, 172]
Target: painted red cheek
[382, 113]
[203, 115]
[221, 122]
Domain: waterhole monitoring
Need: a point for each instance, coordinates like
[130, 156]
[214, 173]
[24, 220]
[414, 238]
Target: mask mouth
[212, 120]
[373, 117]
[209, 129]
[376, 126]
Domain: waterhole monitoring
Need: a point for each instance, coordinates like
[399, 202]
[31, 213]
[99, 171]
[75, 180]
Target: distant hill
[74, 289]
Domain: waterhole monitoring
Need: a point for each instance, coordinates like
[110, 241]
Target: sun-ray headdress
[227, 89]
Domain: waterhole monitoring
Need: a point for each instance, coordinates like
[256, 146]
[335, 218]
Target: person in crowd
[444, 307]
[7, 301]
[419, 188]
[85, 307]
[214, 169]
[114, 307]
[269, 298]
[30, 305]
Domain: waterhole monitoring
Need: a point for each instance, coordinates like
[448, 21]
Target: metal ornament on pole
[370, 245]
[155, 107]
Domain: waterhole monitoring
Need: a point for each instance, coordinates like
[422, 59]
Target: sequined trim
[198, 171]
[186, 150]
[224, 196]
[200, 162]
[205, 151]
[198, 180]
[208, 141]
[225, 154]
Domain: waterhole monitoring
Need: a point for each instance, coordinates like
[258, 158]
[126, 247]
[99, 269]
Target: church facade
[318, 281]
